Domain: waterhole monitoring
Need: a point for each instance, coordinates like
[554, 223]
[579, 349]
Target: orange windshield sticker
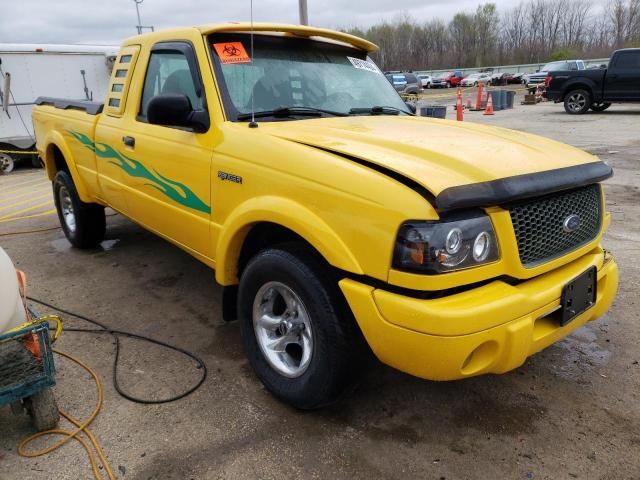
[232, 52]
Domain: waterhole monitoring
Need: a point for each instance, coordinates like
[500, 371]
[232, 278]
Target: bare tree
[531, 31]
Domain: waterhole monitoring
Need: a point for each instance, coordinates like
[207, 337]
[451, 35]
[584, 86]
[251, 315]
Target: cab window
[169, 72]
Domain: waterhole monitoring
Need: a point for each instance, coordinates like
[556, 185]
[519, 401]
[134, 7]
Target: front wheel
[577, 102]
[297, 331]
[83, 223]
[599, 107]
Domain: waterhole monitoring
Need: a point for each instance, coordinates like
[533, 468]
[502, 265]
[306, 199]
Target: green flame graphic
[176, 191]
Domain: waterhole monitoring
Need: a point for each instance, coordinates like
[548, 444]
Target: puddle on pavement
[581, 352]
[109, 244]
[62, 245]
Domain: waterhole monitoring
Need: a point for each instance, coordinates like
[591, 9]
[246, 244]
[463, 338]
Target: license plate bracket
[578, 295]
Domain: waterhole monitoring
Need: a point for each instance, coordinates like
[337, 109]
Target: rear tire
[43, 410]
[577, 102]
[6, 163]
[83, 223]
[600, 107]
[290, 292]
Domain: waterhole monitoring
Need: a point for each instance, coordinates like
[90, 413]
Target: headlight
[446, 245]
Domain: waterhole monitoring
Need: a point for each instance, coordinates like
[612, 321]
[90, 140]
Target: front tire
[297, 331]
[577, 102]
[83, 223]
[600, 107]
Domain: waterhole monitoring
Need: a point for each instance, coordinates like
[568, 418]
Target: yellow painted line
[23, 188]
[23, 193]
[48, 212]
[16, 184]
[25, 201]
[28, 209]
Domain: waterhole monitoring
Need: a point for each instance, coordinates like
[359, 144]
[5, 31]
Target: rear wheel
[83, 223]
[297, 331]
[6, 163]
[577, 102]
[600, 107]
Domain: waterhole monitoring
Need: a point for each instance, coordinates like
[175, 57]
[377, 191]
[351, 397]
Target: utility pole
[304, 15]
[140, 27]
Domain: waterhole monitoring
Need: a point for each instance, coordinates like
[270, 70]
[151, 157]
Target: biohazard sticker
[364, 65]
[232, 52]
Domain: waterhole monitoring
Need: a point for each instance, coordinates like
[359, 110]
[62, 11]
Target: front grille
[539, 224]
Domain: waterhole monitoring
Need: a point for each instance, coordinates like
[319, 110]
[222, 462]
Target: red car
[448, 79]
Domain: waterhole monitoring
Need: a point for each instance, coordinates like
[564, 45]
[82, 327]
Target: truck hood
[440, 155]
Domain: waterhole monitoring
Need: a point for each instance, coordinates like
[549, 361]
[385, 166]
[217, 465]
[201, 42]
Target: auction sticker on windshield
[364, 65]
[232, 52]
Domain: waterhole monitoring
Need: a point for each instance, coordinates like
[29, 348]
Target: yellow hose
[25, 152]
[68, 435]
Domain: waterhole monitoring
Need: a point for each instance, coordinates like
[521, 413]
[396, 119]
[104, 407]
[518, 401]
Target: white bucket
[12, 312]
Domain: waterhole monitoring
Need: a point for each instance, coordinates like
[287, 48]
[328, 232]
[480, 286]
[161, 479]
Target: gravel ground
[572, 411]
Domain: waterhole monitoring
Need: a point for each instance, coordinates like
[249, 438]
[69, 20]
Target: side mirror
[175, 110]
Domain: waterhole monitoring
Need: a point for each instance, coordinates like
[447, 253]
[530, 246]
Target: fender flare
[286, 213]
[580, 82]
[55, 139]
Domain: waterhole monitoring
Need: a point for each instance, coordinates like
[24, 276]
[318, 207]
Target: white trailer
[28, 71]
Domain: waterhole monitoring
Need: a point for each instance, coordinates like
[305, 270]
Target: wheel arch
[276, 218]
[578, 85]
[57, 156]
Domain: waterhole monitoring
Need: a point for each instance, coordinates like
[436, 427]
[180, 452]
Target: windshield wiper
[291, 111]
[378, 110]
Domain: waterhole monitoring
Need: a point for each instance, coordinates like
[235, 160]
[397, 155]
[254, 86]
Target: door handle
[129, 141]
[613, 76]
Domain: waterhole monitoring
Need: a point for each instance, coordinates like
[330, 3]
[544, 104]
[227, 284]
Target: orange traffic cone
[479, 96]
[459, 106]
[468, 104]
[489, 110]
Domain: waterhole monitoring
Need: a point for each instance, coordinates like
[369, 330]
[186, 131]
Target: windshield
[294, 72]
[555, 66]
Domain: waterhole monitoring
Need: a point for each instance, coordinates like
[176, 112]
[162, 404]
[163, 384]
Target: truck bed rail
[92, 108]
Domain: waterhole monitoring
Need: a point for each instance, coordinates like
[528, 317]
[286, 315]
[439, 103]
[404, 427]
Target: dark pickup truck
[597, 89]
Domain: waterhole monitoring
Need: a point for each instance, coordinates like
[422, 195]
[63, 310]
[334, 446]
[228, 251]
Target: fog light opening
[480, 358]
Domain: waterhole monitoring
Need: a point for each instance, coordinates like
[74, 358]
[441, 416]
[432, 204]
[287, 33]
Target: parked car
[425, 80]
[337, 222]
[474, 79]
[597, 89]
[447, 79]
[503, 78]
[405, 83]
[515, 78]
[535, 79]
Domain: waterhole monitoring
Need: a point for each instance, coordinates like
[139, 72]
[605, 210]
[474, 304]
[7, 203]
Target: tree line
[533, 31]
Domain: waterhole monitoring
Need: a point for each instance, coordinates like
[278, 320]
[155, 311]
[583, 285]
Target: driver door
[169, 181]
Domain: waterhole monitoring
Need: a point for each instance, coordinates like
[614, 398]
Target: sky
[111, 21]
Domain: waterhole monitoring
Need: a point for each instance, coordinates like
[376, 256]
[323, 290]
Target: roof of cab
[285, 29]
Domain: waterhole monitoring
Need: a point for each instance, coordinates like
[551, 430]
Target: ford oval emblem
[571, 223]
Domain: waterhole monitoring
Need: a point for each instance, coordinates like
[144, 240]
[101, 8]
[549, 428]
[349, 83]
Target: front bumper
[489, 329]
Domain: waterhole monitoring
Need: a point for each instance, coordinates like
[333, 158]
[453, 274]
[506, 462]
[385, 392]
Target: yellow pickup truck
[337, 221]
